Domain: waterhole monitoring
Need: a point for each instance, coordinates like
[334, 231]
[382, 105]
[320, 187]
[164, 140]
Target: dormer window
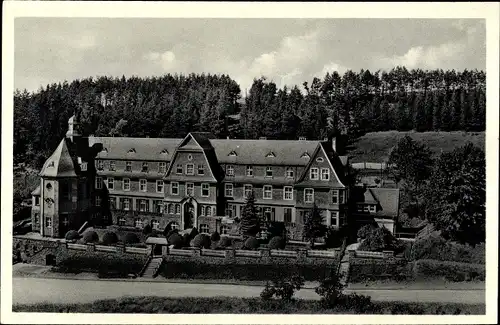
[305, 155]
[164, 152]
[289, 172]
[51, 164]
[144, 167]
[270, 155]
[320, 159]
[269, 171]
[230, 170]
[100, 164]
[104, 150]
[232, 154]
[131, 150]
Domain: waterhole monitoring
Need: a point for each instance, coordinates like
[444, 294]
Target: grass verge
[230, 305]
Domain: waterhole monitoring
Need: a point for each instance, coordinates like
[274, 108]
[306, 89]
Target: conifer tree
[313, 225]
[250, 221]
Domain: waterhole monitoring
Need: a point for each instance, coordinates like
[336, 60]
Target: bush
[90, 236]
[167, 230]
[72, 235]
[452, 271]
[277, 243]
[378, 240]
[334, 237]
[364, 231]
[147, 229]
[215, 236]
[176, 240]
[225, 242]
[109, 238]
[330, 291]
[154, 233]
[201, 241]
[130, 238]
[251, 243]
[283, 289]
[437, 248]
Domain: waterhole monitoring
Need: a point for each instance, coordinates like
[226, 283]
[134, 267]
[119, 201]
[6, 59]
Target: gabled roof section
[386, 198]
[232, 154]
[305, 155]
[60, 163]
[270, 155]
[254, 152]
[36, 191]
[145, 148]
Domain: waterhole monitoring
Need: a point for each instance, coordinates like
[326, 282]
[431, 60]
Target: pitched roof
[60, 163]
[254, 152]
[145, 148]
[386, 198]
[36, 191]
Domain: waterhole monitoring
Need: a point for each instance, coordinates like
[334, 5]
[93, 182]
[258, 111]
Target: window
[189, 189]
[201, 169]
[287, 193]
[37, 218]
[126, 184]
[98, 201]
[143, 185]
[247, 189]
[171, 208]
[313, 173]
[249, 171]
[202, 210]
[190, 169]
[112, 165]
[98, 183]
[373, 208]
[190, 157]
[111, 183]
[224, 230]
[174, 225]
[178, 169]
[83, 166]
[204, 229]
[177, 209]
[269, 171]
[155, 224]
[126, 204]
[65, 221]
[230, 170]
[230, 210]
[366, 208]
[325, 174]
[288, 215]
[343, 196]
[48, 222]
[158, 206]
[232, 154]
[334, 218]
[320, 159]
[208, 210]
[228, 190]
[302, 215]
[159, 186]
[112, 203]
[121, 221]
[138, 223]
[37, 200]
[205, 190]
[335, 196]
[162, 167]
[174, 188]
[269, 214]
[289, 172]
[309, 195]
[143, 205]
[128, 166]
[268, 192]
[100, 164]
[144, 167]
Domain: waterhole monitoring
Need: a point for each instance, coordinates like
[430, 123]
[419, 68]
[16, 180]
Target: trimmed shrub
[109, 238]
[147, 229]
[277, 243]
[225, 242]
[154, 233]
[130, 238]
[72, 235]
[201, 241]
[167, 230]
[215, 236]
[193, 232]
[176, 240]
[90, 236]
[251, 243]
[378, 240]
[366, 230]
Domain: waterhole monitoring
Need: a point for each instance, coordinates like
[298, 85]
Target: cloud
[331, 67]
[166, 59]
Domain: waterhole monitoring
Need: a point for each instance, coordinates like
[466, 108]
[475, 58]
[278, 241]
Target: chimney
[334, 144]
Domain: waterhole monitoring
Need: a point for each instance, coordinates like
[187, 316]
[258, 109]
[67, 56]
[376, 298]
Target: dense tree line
[171, 106]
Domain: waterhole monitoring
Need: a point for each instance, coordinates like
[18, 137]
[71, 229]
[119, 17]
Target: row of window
[155, 224]
[162, 166]
[314, 173]
[143, 184]
[267, 193]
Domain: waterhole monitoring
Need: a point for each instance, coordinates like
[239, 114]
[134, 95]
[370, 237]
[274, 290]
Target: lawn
[231, 305]
[376, 146]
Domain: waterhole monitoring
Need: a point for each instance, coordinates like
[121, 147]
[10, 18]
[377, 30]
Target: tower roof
[60, 163]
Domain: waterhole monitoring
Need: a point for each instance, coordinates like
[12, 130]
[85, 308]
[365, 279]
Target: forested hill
[171, 106]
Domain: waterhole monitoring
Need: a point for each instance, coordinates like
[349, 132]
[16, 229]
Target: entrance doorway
[157, 251]
[188, 215]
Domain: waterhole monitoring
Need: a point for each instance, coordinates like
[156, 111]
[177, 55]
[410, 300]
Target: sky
[287, 51]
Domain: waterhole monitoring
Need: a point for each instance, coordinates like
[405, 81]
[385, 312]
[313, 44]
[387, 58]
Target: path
[36, 290]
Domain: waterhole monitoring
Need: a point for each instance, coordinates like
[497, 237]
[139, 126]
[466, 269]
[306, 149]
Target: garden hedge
[109, 238]
[215, 236]
[176, 240]
[201, 241]
[251, 243]
[90, 236]
[130, 238]
[72, 235]
[437, 248]
[277, 243]
[451, 271]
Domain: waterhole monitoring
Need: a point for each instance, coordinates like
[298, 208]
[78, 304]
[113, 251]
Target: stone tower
[65, 195]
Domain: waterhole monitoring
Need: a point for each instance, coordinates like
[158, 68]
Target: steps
[153, 267]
